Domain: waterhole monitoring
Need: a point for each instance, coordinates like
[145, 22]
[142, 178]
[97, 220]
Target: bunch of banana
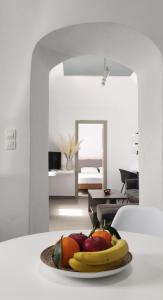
[82, 267]
[100, 260]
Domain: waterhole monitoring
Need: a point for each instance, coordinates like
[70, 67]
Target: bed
[90, 181]
[90, 175]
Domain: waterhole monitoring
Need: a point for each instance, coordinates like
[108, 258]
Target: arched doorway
[120, 44]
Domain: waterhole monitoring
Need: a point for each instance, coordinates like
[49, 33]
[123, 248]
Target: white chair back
[140, 219]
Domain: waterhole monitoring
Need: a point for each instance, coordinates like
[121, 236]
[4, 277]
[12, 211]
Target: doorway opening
[80, 108]
[91, 159]
[138, 53]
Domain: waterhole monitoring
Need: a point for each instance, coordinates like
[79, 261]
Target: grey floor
[67, 213]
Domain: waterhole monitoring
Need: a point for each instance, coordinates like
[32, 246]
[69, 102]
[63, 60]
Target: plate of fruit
[101, 253]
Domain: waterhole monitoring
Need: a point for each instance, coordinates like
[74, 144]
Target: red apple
[79, 238]
[95, 244]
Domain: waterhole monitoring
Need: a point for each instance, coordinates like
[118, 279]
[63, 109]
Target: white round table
[21, 279]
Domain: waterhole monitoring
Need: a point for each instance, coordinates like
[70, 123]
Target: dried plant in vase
[68, 146]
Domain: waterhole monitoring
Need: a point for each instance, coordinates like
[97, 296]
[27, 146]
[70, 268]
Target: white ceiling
[90, 65]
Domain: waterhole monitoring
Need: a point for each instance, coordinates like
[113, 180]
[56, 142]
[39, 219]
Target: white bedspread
[90, 178]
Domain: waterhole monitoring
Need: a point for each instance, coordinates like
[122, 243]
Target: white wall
[91, 137]
[83, 98]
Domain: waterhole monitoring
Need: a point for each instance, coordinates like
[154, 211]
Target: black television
[54, 161]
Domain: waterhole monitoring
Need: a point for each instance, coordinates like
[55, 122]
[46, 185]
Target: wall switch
[10, 145]
[10, 133]
[10, 139]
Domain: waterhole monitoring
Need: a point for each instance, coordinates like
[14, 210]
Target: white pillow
[100, 170]
[89, 170]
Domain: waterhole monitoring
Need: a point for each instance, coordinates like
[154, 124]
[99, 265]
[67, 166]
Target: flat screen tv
[54, 161]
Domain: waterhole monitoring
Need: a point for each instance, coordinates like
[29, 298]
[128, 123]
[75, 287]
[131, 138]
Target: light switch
[10, 133]
[10, 139]
[10, 145]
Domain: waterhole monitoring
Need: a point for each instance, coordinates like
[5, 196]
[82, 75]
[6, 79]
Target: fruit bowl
[46, 259]
[100, 253]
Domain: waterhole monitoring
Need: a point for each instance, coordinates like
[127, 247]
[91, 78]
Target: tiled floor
[69, 213]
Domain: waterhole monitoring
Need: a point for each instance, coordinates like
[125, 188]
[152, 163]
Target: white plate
[53, 271]
[47, 266]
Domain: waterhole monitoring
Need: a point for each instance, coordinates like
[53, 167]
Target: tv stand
[61, 183]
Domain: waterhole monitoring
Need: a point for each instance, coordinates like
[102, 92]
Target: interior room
[75, 224]
[90, 156]
[83, 107]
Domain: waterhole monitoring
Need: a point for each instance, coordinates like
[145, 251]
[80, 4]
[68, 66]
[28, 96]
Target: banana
[114, 240]
[80, 267]
[118, 251]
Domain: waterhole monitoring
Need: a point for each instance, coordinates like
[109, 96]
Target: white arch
[121, 44]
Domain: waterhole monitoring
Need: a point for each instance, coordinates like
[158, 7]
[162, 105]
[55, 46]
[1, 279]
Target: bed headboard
[96, 163]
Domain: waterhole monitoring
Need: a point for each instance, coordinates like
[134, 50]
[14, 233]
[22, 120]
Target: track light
[106, 72]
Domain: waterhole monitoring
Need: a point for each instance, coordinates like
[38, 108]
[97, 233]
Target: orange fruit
[69, 247]
[104, 234]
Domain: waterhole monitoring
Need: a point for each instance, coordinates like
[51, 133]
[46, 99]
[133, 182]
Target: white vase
[69, 165]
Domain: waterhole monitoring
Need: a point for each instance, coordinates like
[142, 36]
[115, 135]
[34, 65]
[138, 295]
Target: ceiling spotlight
[106, 73]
